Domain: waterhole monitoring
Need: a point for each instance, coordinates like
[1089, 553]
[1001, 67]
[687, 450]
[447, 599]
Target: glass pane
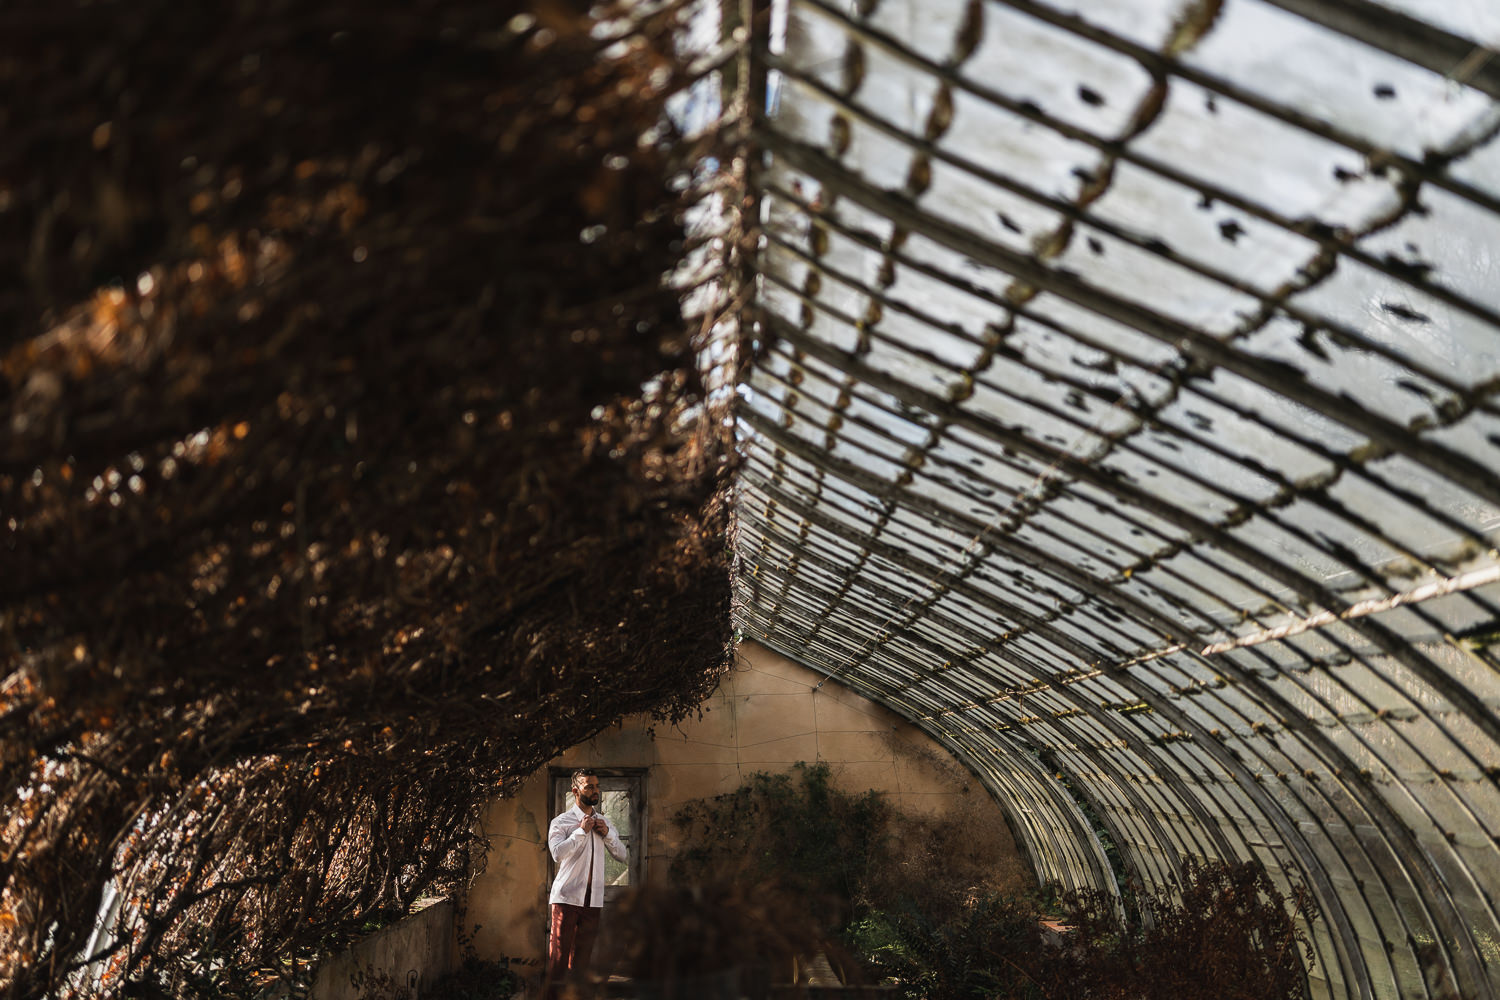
[615, 804]
[1103, 371]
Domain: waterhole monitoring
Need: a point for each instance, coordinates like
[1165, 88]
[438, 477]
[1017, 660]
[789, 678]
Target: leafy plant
[477, 979]
[795, 831]
[1229, 934]
[971, 954]
[918, 900]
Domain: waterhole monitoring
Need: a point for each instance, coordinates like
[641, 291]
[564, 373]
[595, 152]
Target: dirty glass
[617, 808]
[1128, 418]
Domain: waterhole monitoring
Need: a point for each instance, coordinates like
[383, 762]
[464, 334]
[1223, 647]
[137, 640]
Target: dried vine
[355, 458]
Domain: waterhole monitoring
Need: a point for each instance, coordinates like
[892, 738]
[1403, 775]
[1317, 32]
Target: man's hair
[580, 774]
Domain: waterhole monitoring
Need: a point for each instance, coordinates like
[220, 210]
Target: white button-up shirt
[580, 860]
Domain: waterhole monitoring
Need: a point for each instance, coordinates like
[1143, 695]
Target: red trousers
[571, 944]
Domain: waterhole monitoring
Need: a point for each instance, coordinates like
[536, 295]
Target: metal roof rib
[1228, 455]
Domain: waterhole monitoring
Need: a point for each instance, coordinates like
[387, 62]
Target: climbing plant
[356, 455]
[795, 831]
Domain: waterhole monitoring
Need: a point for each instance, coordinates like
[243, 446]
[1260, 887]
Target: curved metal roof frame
[1129, 422]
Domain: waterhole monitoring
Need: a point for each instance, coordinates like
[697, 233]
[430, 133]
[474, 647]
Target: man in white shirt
[578, 839]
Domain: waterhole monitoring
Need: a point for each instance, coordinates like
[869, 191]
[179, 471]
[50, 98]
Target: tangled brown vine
[354, 457]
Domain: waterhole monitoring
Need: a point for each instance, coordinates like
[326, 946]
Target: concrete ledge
[416, 950]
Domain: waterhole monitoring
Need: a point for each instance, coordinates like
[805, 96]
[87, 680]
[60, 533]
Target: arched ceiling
[1129, 420]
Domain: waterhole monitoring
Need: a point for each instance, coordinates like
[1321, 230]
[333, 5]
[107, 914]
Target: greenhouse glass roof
[1128, 419]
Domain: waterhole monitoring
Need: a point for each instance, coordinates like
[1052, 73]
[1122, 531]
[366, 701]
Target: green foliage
[477, 979]
[796, 831]
[970, 955]
[1229, 935]
[923, 910]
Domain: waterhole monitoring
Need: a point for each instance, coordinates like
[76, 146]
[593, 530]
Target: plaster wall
[767, 715]
[419, 949]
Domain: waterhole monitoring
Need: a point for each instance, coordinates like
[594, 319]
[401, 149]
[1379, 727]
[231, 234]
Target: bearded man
[578, 839]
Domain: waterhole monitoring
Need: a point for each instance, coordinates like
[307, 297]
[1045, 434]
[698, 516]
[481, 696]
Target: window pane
[616, 808]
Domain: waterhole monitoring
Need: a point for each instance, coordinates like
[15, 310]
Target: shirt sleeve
[614, 845]
[562, 841]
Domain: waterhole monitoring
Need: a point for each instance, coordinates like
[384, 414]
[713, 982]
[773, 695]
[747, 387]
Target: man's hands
[596, 823]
